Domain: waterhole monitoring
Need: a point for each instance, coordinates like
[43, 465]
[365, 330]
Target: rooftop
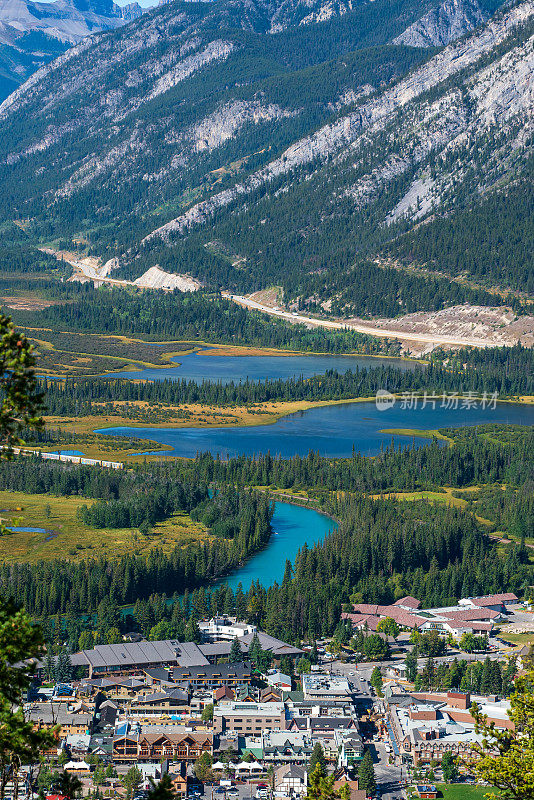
[320, 684]
[232, 707]
[128, 654]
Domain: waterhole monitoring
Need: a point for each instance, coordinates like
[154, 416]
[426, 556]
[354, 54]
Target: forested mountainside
[251, 143]
[33, 33]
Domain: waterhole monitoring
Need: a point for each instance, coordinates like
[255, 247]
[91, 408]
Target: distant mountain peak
[200, 139]
[35, 32]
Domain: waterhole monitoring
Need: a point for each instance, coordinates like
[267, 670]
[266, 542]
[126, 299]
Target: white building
[497, 602]
[290, 780]
[279, 680]
[224, 629]
[323, 686]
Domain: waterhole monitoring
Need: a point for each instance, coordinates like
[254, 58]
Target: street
[388, 776]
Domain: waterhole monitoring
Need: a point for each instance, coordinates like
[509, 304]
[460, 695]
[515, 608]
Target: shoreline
[215, 350]
[207, 418]
[273, 414]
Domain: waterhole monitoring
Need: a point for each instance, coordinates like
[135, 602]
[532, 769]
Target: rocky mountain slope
[252, 143]
[32, 33]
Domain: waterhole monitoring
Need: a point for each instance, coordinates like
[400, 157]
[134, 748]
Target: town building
[133, 744]
[179, 779]
[279, 680]
[49, 715]
[350, 748]
[424, 726]
[286, 746]
[213, 676]
[498, 602]
[131, 657]
[224, 629]
[476, 615]
[290, 780]
[248, 719]
[322, 686]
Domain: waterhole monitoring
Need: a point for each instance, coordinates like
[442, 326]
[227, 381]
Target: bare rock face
[441, 126]
[63, 20]
[443, 25]
[130, 11]
[156, 278]
[198, 123]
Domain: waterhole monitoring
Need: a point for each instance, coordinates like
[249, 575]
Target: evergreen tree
[162, 790]
[487, 677]
[20, 644]
[411, 665]
[50, 665]
[192, 631]
[235, 652]
[317, 760]
[377, 681]
[132, 780]
[320, 786]
[449, 767]
[505, 758]
[366, 773]
[255, 650]
[68, 785]
[63, 668]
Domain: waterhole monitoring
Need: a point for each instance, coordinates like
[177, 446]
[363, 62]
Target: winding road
[368, 329]
[101, 274]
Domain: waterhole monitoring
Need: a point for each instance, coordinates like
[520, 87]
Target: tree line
[194, 316]
[381, 550]
[509, 373]
[473, 459]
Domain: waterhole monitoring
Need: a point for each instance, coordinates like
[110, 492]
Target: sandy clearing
[387, 328]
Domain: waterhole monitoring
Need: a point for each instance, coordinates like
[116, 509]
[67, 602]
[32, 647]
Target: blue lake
[329, 430]
[293, 527]
[199, 367]
[66, 453]
[19, 529]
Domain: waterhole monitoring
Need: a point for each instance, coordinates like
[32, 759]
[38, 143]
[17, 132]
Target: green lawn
[462, 791]
[518, 639]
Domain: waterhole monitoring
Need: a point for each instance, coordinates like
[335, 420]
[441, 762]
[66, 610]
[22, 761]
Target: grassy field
[91, 354]
[66, 537]
[518, 639]
[462, 791]
[446, 495]
[429, 434]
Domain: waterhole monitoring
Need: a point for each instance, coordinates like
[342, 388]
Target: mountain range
[323, 147]
[33, 33]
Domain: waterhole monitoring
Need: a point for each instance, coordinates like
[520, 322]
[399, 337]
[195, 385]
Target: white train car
[90, 462]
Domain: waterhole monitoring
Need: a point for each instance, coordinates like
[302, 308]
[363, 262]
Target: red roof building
[408, 602]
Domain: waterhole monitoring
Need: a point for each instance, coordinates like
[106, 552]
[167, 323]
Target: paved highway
[368, 329]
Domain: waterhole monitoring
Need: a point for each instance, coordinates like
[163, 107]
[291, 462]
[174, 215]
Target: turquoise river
[293, 527]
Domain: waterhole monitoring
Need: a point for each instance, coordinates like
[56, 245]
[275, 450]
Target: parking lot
[239, 791]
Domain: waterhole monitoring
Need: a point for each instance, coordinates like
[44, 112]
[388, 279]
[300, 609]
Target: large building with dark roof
[129, 657]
